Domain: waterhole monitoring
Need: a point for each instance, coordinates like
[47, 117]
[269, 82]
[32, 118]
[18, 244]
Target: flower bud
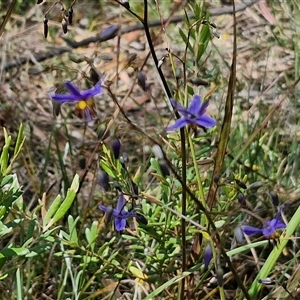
[255, 185]
[274, 197]
[238, 234]
[108, 33]
[198, 82]
[266, 281]
[116, 146]
[240, 184]
[45, 27]
[103, 180]
[124, 159]
[70, 15]
[64, 25]
[157, 152]
[141, 219]
[141, 80]
[164, 168]
[126, 4]
[207, 255]
[242, 199]
[219, 275]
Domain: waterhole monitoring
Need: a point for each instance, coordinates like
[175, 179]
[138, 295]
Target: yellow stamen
[82, 105]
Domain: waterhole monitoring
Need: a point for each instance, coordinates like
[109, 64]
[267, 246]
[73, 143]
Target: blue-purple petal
[181, 109]
[203, 108]
[120, 204]
[104, 208]
[205, 121]
[63, 98]
[97, 89]
[195, 105]
[120, 224]
[73, 89]
[250, 230]
[178, 124]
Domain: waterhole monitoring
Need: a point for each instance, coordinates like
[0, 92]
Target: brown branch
[55, 51]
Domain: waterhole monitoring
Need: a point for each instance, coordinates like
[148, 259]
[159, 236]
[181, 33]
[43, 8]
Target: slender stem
[7, 16]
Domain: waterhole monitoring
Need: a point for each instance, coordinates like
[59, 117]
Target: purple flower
[193, 115]
[85, 106]
[269, 229]
[119, 213]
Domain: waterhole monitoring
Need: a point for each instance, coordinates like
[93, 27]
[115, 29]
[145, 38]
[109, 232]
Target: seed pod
[45, 27]
[116, 146]
[274, 197]
[64, 25]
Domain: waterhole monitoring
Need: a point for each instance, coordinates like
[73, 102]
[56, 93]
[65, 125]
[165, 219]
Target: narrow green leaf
[66, 204]
[52, 210]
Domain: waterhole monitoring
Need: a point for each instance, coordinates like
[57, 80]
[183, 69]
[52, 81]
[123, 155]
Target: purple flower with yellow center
[119, 213]
[85, 105]
[269, 230]
[193, 115]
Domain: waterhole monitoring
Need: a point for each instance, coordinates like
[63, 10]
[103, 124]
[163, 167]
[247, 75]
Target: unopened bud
[108, 33]
[141, 80]
[141, 219]
[238, 234]
[103, 180]
[219, 275]
[70, 15]
[242, 199]
[266, 281]
[160, 62]
[157, 152]
[164, 168]
[198, 81]
[207, 255]
[255, 185]
[45, 27]
[64, 25]
[116, 146]
[274, 197]
[124, 159]
[126, 4]
[240, 184]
